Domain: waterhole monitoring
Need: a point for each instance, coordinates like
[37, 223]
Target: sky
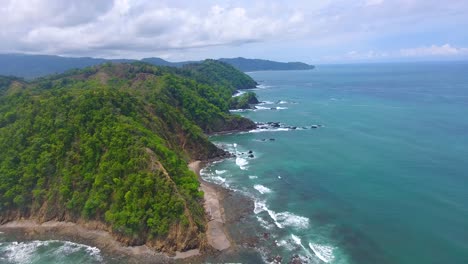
[312, 31]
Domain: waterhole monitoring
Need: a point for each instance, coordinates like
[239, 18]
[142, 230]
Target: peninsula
[107, 147]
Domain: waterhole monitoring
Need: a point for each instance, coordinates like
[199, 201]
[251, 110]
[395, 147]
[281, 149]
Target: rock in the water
[295, 260]
[250, 152]
[275, 124]
[313, 126]
[272, 139]
[251, 156]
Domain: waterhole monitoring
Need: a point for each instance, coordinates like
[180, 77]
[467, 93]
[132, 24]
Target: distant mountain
[33, 66]
[162, 62]
[241, 64]
[247, 65]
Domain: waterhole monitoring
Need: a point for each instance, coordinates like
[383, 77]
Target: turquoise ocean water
[383, 180]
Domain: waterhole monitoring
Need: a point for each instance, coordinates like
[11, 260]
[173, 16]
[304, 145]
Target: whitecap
[325, 253]
[263, 86]
[264, 223]
[283, 102]
[258, 107]
[262, 189]
[293, 220]
[286, 244]
[296, 239]
[281, 108]
[253, 177]
[25, 252]
[269, 130]
[265, 102]
[242, 163]
[279, 177]
[220, 172]
[282, 219]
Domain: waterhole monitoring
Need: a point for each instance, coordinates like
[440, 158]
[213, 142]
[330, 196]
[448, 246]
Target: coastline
[92, 234]
[216, 233]
[89, 234]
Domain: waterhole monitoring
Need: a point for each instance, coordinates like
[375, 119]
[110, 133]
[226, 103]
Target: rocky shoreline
[92, 233]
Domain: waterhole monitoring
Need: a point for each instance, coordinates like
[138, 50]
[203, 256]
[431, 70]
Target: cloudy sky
[314, 31]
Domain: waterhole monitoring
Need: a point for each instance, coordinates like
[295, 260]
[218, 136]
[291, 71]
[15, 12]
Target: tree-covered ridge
[217, 73]
[244, 101]
[111, 143]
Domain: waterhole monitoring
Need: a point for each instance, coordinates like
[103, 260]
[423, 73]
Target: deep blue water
[384, 180]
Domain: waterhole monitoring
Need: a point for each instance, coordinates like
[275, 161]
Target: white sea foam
[325, 253]
[262, 189]
[279, 177]
[283, 102]
[242, 163]
[281, 108]
[286, 244]
[265, 102]
[296, 239]
[280, 129]
[264, 223]
[290, 219]
[282, 219]
[263, 86]
[253, 177]
[258, 107]
[25, 252]
[220, 172]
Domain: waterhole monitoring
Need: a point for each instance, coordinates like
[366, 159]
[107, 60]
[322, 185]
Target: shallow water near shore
[383, 180]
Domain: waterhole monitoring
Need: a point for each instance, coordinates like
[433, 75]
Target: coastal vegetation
[111, 143]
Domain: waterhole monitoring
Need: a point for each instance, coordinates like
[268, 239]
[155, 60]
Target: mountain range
[33, 66]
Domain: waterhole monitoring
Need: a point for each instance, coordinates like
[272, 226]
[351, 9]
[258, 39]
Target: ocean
[369, 164]
[383, 180]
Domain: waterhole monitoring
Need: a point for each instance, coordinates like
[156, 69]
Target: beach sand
[216, 233]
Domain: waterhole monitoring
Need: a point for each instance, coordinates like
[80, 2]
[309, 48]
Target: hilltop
[110, 144]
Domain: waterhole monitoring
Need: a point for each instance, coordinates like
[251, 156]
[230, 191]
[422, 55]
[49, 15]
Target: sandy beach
[215, 232]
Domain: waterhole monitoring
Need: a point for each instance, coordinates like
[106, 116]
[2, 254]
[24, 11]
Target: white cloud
[425, 52]
[434, 50]
[137, 27]
[194, 29]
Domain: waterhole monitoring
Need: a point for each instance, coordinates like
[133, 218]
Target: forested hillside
[111, 143]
